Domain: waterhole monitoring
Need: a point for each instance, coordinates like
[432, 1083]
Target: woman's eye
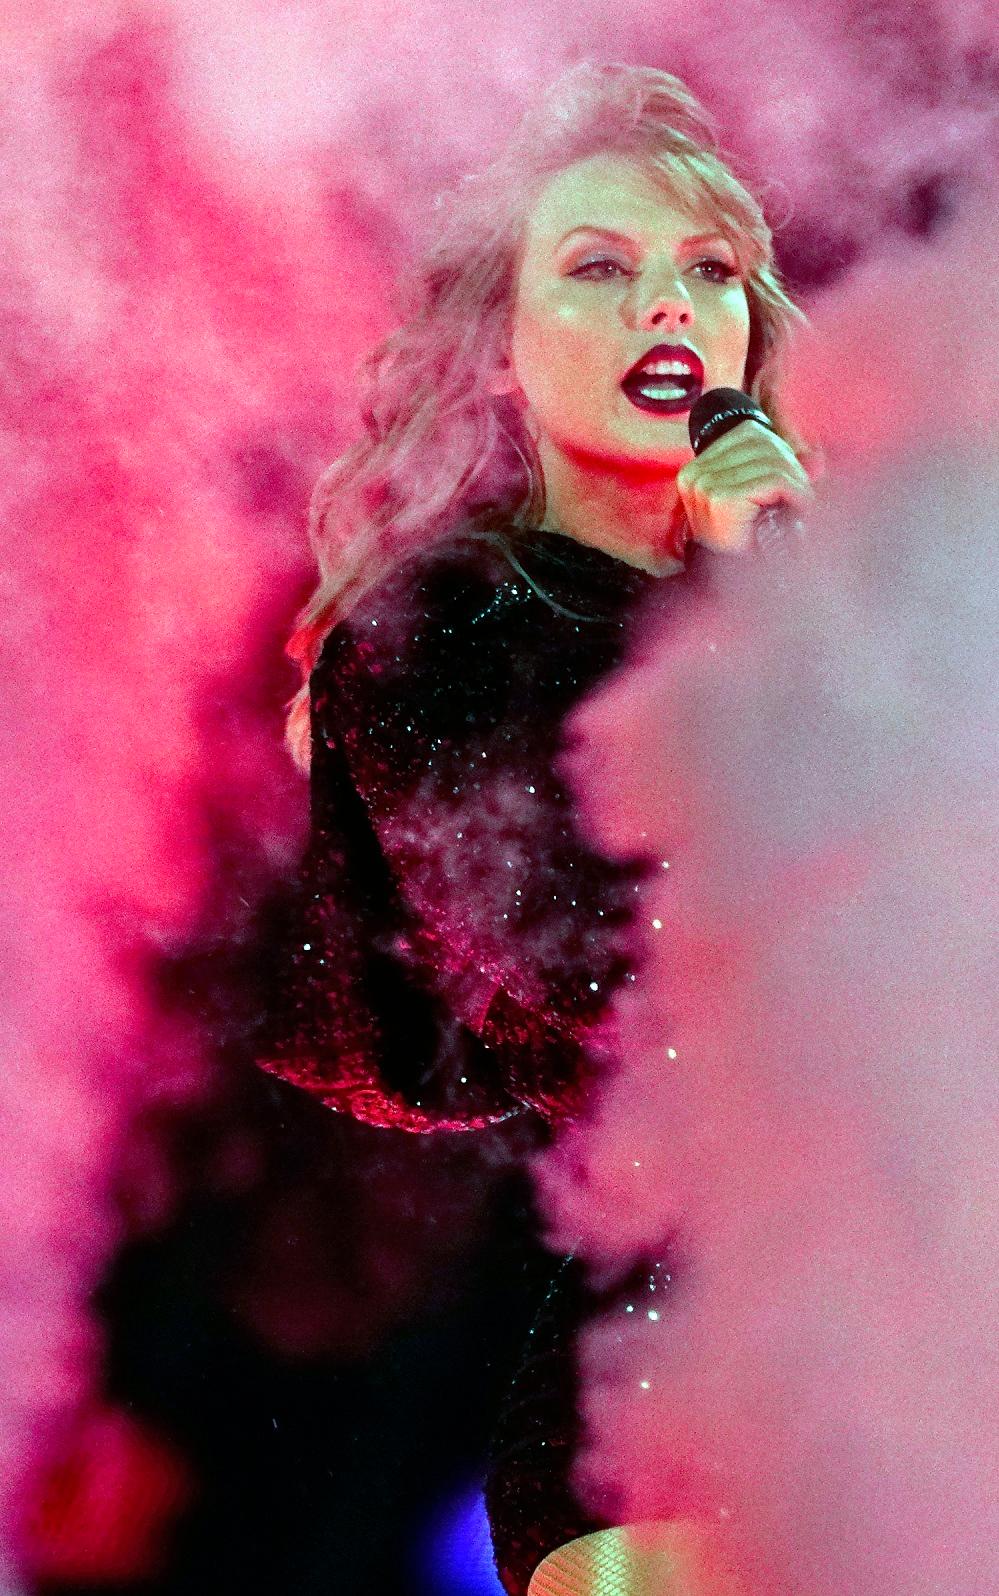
[603, 267]
[721, 266]
[597, 268]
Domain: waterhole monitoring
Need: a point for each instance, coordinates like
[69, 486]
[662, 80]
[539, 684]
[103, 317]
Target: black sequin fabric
[458, 938]
[532, 1506]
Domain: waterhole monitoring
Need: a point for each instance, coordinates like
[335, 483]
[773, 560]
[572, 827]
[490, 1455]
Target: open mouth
[666, 381]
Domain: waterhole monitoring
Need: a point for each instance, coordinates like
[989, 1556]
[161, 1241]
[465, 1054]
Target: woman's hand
[724, 489]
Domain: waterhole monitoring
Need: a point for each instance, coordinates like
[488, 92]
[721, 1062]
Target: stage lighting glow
[454, 1556]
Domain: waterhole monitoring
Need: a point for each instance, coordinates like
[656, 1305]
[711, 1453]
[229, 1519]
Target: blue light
[454, 1555]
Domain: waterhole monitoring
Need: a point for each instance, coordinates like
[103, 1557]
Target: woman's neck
[637, 517]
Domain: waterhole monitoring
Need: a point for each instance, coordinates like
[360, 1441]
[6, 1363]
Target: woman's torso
[446, 866]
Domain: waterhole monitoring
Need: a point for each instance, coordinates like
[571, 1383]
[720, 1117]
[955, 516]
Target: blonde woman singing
[525, 486]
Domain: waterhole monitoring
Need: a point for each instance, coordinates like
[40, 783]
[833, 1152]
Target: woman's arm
[353, 1023]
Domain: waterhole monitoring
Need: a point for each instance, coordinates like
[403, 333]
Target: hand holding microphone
[745, 487]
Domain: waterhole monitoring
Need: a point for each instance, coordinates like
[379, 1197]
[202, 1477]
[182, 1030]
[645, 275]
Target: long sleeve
[458, 937]
[355, 1025]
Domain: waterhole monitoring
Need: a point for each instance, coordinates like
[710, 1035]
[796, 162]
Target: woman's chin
[643, 445]
[652, 433]
[663, 445]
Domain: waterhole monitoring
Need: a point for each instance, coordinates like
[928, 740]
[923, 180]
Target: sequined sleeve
[354, 1024]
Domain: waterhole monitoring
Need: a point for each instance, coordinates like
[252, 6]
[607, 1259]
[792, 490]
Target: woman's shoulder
[428, 652]
[467, 555]
[487, 579]
[432, 598]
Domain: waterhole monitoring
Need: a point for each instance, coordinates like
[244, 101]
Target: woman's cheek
[563, 356]
[548, 350]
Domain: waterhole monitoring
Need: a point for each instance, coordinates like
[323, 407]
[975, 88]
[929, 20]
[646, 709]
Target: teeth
[667, 368]
[656, 391]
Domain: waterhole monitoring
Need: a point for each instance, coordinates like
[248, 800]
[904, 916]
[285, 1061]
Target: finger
[743, 435]
[743, 479]
[758, 467]
[762, 460]
[748, 440]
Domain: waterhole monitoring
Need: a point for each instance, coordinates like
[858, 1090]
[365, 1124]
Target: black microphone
[717, 411]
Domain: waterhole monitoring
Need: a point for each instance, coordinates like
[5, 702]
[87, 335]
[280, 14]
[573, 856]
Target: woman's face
[609, 270]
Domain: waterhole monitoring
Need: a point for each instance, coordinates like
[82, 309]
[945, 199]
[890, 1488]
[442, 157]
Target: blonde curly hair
[439, 448]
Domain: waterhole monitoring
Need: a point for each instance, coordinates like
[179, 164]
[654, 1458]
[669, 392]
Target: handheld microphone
[717, 411]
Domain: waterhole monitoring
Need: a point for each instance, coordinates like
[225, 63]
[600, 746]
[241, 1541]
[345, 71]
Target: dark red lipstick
[647, 382]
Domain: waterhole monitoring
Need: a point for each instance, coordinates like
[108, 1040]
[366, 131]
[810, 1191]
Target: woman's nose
[663, 303]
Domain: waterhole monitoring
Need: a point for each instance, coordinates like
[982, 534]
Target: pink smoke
[203, 208]
[153, 342]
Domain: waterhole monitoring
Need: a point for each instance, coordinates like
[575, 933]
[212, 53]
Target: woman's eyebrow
[625, 238]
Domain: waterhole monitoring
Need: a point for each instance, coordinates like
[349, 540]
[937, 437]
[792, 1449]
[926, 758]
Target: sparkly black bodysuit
[459, 937]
